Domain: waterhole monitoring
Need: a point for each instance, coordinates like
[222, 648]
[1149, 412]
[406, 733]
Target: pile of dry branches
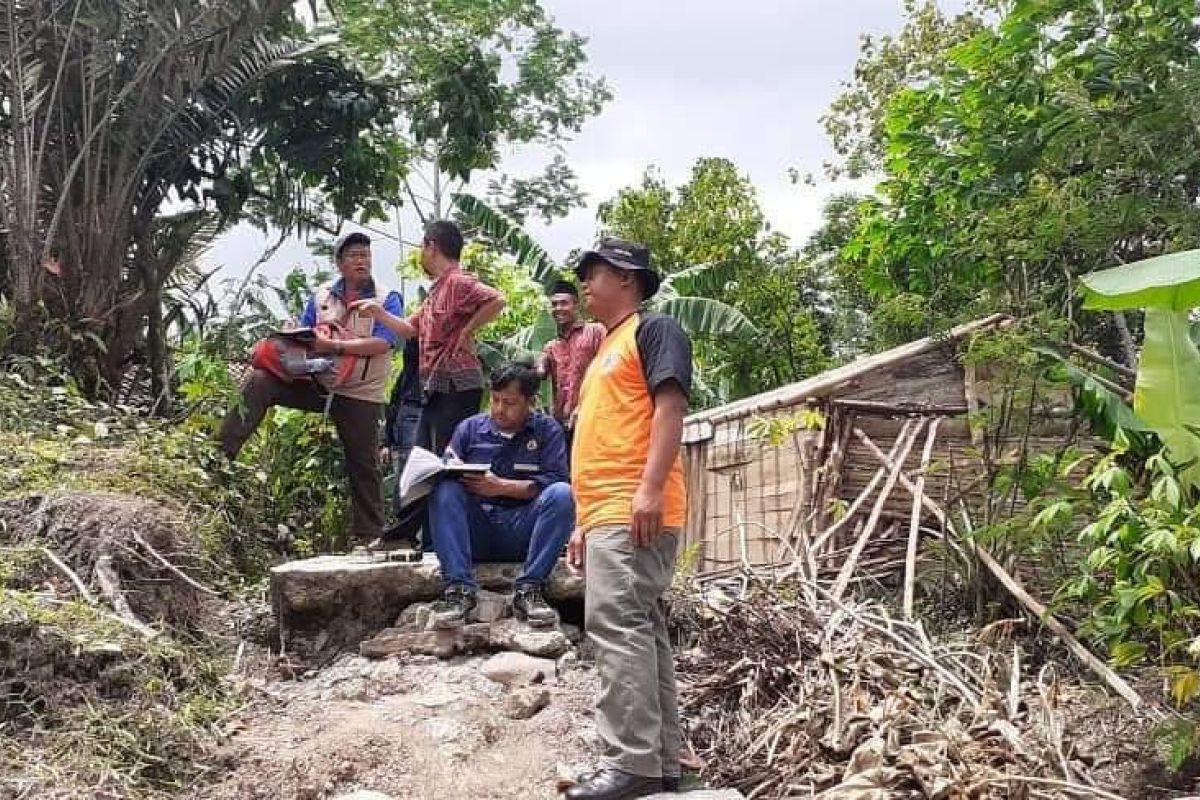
[791, 693]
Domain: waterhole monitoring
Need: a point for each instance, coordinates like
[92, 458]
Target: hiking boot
[452, 610]
[530, 607]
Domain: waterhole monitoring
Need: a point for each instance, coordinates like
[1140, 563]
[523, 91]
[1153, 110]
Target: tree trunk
[1128, 347]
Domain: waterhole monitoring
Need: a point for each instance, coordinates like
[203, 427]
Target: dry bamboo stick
[972, 397]
[914, 529]
[904, 445]
[897, 409]
[1095, 357]
[926, 502]
[110, 589]
[71, 575]
[1014, 587]
[832, 530]
[137, 537]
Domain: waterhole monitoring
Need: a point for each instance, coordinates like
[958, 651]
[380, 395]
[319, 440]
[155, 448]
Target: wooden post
[910, 555]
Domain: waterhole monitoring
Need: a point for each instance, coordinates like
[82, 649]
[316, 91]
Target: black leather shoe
[670, 783]
[612, 784]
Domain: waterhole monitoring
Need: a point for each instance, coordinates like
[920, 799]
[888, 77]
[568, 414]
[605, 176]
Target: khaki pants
[357, 423]
[638, 719]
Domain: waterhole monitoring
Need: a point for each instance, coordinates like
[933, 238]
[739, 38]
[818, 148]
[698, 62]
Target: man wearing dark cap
[566, 357]
[355, 404]
[630, 508]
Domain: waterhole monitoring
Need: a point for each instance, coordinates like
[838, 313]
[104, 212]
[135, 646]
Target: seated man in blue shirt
[520, 510]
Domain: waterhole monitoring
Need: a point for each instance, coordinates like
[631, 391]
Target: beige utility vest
[368, 381]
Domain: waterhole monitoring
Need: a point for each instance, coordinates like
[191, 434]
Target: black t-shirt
[665, 350]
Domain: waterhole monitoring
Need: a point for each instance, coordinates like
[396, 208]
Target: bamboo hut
[897, 442]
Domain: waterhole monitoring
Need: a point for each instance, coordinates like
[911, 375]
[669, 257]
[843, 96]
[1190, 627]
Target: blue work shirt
[393, 303]
[537, 452]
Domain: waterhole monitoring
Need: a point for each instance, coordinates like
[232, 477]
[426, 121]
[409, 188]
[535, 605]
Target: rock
[509, 634]
[491, 606]
[518, 669]
[572, 632]
[568, 661]
[441, 643]
[332, 603]
[416, 617]
[506, 634]
[364, 794]
[524, 703]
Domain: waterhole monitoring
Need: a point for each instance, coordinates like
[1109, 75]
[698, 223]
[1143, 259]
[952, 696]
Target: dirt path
[414, 728]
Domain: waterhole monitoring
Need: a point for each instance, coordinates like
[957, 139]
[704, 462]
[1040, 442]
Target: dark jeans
[357, 423]
[441, 414]
[466, 531]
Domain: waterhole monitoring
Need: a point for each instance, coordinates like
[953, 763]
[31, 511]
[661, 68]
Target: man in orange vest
[630, 506]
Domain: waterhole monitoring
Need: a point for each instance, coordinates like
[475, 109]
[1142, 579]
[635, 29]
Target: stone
[491, 606]
[524, 703]
[518, 669]
[364, 794]
[416, 617]
[511, 634]
[475, 637]
[329, 604]
[568, 661]
[441, 643]
[572, 632]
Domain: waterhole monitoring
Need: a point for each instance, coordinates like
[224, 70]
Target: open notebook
[422, 470]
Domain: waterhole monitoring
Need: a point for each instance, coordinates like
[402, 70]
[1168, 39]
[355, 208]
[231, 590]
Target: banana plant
[1167, 391]
[676, 297]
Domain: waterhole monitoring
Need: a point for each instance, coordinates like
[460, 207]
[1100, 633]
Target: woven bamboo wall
[742, 492]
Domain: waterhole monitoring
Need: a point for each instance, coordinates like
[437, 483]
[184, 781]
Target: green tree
[1054, 141]
[681, 294]
[111, 111]
[474, 78]
[715, 219]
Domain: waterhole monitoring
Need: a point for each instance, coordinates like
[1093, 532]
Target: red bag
[285, 355]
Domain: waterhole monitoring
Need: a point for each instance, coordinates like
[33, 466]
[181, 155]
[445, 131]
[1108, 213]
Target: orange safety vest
[612, 437]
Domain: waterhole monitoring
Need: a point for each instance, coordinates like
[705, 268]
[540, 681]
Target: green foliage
[1018, 153]
[1137, 578]
[777, 430]
[1167, 397]
[477, 77]
[505, 234]
[712, 240]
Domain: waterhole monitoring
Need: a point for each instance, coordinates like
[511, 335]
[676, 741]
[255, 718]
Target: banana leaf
[1167, 393]
[1168, 282]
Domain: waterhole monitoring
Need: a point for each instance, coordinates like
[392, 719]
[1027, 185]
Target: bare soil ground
[411, 728]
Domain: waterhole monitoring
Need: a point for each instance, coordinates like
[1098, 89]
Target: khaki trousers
[638, 711]
[357, 423]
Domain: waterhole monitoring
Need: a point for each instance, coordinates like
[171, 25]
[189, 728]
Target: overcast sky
[747, 81]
